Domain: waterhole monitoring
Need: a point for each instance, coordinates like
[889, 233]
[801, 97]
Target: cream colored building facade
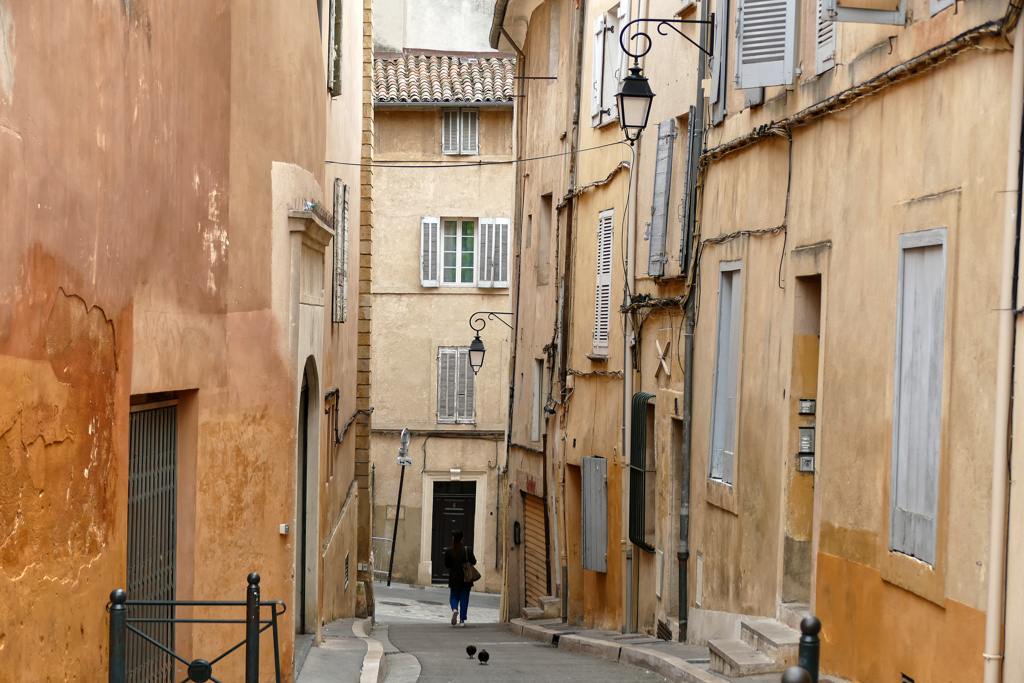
[831, 451]
[443, 223]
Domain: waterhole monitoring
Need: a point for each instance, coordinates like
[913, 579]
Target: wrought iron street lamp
[635, 97]
[477, 322]
[634, 103]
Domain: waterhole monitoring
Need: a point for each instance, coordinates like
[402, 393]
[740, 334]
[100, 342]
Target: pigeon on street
[483, 656]
[471, 650]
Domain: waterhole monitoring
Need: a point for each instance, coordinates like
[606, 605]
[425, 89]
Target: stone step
[792, 613]
[733, 658]
[533, 613]
[777, 641]
[551, 606]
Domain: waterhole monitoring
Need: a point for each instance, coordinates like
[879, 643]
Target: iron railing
[199, 670]
[381, 557]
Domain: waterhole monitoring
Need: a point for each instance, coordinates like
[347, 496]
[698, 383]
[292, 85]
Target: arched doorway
[306, 500]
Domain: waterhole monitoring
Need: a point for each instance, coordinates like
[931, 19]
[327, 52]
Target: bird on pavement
[471, 650]
[483, 656]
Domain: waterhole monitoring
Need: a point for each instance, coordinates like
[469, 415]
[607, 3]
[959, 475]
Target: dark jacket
[455, 562]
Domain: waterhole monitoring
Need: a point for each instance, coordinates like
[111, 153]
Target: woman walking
[456, 559]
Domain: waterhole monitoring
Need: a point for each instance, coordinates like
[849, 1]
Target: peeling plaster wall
[139, 231]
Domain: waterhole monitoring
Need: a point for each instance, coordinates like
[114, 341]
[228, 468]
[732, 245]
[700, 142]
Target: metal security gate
[536, 562]
[152, 537]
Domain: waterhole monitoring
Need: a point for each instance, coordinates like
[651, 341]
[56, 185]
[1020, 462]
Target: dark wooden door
[454, 508]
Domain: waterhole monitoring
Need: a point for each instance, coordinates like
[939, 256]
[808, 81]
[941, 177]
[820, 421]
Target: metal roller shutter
[536, 564]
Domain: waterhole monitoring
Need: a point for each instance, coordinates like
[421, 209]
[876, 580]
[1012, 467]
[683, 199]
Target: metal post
[565, 594]
[252, 629]
[684, 605]
[795, 674]
[117, 671]
[394, 535]
[277, 653]
[810, 647]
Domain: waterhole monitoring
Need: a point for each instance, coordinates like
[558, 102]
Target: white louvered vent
[766, 41]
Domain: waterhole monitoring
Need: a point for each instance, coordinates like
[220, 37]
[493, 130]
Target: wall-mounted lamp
[477, 322]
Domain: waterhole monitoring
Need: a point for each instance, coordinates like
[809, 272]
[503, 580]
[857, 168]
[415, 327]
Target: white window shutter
[868, 11]
[469, 132]
[331, 50]
[613, 61]
[465, 403]
[825, 45]
[623, 69]
[659, 206]
[603, 294]
[502, 226]
[429, 244]
[766, 42]
[485, 261]
[340, 312]
[447, 363]
[450, 132]
[596, 96]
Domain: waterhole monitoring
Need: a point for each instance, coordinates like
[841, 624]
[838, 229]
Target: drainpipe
[1004, 376]
[683, 555]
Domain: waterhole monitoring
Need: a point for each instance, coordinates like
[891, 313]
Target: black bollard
[252, 629]
[117, 671]
[810, 646]
[795, 674]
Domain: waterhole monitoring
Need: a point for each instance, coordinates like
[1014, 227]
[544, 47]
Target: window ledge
[688, 8]
[722, 496]
[312, 226]
[597, 358]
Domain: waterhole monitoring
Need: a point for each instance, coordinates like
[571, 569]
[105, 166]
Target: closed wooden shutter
[485, 262]
[500, 274]
[469, 132]
[536, 563]
[450, 132]
[447, 364]
[603, 295]
[340, 300]
[429, 230]
[825, 47]
[595, 514]
[693, 143]
[659, 205]
[766, 33]
[719, 61]
[465, 400]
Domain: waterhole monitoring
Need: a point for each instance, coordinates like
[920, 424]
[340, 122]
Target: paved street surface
[441, 651]
[401, 603]
[338, 658]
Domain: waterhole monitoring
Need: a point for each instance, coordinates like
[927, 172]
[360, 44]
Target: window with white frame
[340, 308]
[917, 398]
[456, 386]
[603, 292]
[726, 379]
[464, 252]
[609, 64]
[460, 131]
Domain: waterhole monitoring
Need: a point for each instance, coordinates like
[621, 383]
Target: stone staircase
[550, 608]
[765, 646]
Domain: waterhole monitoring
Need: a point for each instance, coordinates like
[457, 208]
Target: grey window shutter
[693, 139]
[867, 11]
[726, 377]
[429, 243]
[465, 401]
[766, 42]
[939, 5]
[603, 294]
[729, 452]
[447, 364]
[622, 68]
[613, 61]
[485, 262]
[450, 132]
[917, 405]
[825, 47]
[501, 252]
[659, 206]
[596, 95]
[340, 309]
[719, 62]
[595, 514]
[469, 132]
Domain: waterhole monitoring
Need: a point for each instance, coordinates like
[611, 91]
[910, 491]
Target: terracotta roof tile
[433, 78]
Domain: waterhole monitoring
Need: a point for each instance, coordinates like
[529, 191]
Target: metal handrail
[199, 670]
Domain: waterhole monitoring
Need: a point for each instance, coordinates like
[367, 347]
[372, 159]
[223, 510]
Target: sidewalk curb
[669, 666]
[375, 665]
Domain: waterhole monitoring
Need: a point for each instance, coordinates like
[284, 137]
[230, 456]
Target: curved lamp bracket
[477, 321]
[662, 25]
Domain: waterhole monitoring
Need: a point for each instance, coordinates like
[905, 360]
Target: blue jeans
[460, 601]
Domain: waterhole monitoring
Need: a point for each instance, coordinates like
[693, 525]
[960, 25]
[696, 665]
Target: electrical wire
[477, 164]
